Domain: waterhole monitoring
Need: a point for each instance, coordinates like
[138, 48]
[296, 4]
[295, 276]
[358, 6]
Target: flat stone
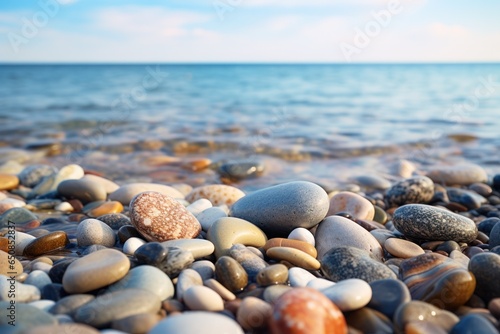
[462, 175]
[349, 294]
[299, 277]
[196, 322]
[302, 234]
[346, 262]
[126, 193]
[108, 185]
[254, 314]
[231, 274]
[160, 218]
[300, 245]
[106, 208]
[106, 308]
[95, 232]
[280, 209]
[33, 174]
[251, 262]
[294, 256]
[69, 304]
[209, 216]
[427, 222]
[417, 311]
[217, 194]
[486, 269]
[201, 298]
[84, 190]
[95, 271]
[47, 243]
[467, 198]
[187, 279]
[23, 292]
[148, 278]
[437, 280]
[352, 203]
[274, 274]
[372, 182]
[132, 244]
[8, 181]
[26, 316]
[311, 312]
[418, 189]
[388, 295]
[337, 231]
[219, 288]
[319, 284]
[402, 248]
[198, 247]
[7, 267]
[228, 231]
[138, 323]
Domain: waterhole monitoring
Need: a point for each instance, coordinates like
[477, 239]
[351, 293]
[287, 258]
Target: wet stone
[47, 243]
[111, 207]
[240, 170]
[128, 231]
[474, 323]
[231, 274]
[152, 253]
[486, 269]
[367, 320]
[448, 246]
[418, 189]
[274, 274]
[69, 304]
[57, 271]
[33, 174]
[95, 232]
[388, 295]
[417, 311]
[467, 198]
[252, 263]
[17, 216]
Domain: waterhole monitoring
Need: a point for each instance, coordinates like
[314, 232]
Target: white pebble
[302, 234]
[43, 304]
[208, 216]
[64, 207]
[199, 206]
[42, 266]
[319, 284]
[38, 278]
[13, 202]
[299, 277]
[201, 298]
[350, 294]
[22, 240]
[131, 245]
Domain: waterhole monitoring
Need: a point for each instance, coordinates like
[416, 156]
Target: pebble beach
[418, 252]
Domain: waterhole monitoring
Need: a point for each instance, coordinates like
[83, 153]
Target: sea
[326, 123]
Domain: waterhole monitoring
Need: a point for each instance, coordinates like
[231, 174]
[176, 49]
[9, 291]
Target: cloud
[67, 2]
[282, 22]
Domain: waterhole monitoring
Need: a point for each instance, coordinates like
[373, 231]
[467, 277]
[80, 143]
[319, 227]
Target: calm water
[325, 123]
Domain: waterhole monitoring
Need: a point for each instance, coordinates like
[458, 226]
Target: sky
[283, 31]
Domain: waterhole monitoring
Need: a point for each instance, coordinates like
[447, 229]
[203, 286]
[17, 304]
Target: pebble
[280, 209]
[367, 320]
[427, 222]
[299, 277]
[20, 218]
[8, 181]
[337, 231]
[43, 305]
[176, 261]
[273, 292]
[26, 317]
[372, 182]
[64, 207]
[474, 323]
[53, 291]
[128, 231]
[46, 244]
[23, 292]
[108, 185]
[241, 170]
[219, 288]
[84, 190]
[106, 208]
[22, 240]
[115, 220]
[352, 203]
[226, 232]
[251, 262]
[402, 248]
[311, 312]
[217, 194]
[294, 256]
[417, 311]
[350, 262]
[198, 247]
[201, 298]
[403, 168]
[231, 274]
[132, 244]
[494, 307]
[38, 278]
[205, 268]
[319, 284]
[138, 323]
[254, 314]
[199, 206]
[147, 278]
[33, 174]
[467, 198]
[495, 236]
[106, 308]
[302, 234]
[418, 189]
[8, 268]
[388, 295]
[349, 294]
[95, 232]
[68, 305]
[95, 270]
[274, 274]
[187, 279]
[196, 322]
[126, 193]
[486, 270]
[9, 203]
[209, 216]
[380, 215]
[437, 280]
[462, 175]
[160, 217]
[68, 172]
[59, 268]
[300, 245]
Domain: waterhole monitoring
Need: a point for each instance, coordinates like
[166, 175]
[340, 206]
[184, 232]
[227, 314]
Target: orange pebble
[300, 245]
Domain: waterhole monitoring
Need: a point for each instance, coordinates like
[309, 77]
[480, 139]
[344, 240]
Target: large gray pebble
[197, 322]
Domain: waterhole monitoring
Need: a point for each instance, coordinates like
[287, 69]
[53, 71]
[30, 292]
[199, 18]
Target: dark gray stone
[487, 225]
[418, 189]
[468, 198]
[279, 209]
[387, 295]
[486, 268]
[495, 236]
[473, 323]
[16, 216]
[426, 222]
[240, 170]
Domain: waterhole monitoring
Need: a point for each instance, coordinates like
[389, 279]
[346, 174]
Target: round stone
[304, 310]
[273, 292]
[388, 295]
[402, 248]
[486, 269]
[299, 277]
[201, 298]
[229, 231]
[205, 268]
[116, 220]
[231, 274]
[487, 225]
[418, 189]
[349, 294]
[160, 218]
[337, 231]
[95, 232]
[126, 193]
[32, 175]
[108, 307]
[417, 311]
[8, 181]
[84, 190]
[474, 323]
[464, 174]
[495, 236]
[254, 313]
[349, 262]
[148, 278]
[95, 270]
[427, 222]
[251, 262]
[302, 234]
[199, 206]
[280, 209]
[196, 322]
[108, 185]
[274, 274]
[106, 208]
[217, 194]
[45, 244]
[38, 278]
[198, 247]
[132, 244]
[352, 203]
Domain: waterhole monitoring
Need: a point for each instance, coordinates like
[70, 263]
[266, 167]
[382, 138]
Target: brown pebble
[253, 313]
[300, 245]
[402, 248]
[106, 208]
[8, 181]
[136, 324]
[47, 243]
[494, 307]
[294, 256]
[172, 305]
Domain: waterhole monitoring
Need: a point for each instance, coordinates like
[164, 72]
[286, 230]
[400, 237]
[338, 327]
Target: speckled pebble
[95, 232]
[354, 204]
[217, 194]
[418, 189]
